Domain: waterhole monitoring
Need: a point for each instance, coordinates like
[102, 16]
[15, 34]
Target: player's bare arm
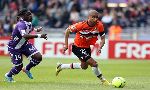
[102, 43]
[66, 40]
[30, 36]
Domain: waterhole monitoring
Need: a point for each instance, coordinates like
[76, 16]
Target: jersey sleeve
[22, 28]
[101, 29]
[75, 27]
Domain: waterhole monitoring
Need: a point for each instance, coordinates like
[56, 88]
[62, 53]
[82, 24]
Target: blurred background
[126, 52]
[132, 17]
[123, 19]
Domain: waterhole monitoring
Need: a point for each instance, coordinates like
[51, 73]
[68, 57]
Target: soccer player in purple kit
[19, 45]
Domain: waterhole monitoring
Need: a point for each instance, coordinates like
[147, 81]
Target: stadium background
[126, 52]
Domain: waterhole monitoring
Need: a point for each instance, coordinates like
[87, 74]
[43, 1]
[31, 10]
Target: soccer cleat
[29, 74]
[58, 68]
[106, 83]
[8, 79]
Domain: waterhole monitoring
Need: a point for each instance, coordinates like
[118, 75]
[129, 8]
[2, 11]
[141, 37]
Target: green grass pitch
[136, 73]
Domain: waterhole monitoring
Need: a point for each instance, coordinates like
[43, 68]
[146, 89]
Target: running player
[86, 35]
[19, 45]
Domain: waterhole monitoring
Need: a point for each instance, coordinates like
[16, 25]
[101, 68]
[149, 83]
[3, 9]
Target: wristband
[39, 35]
[35, 29]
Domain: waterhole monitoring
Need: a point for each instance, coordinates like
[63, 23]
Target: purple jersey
[21, 28]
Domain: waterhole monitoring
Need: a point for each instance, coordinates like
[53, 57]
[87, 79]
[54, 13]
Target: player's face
[28, 17]
[94, 18]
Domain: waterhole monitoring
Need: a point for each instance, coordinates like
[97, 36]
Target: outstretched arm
[67, 33]
[102, 41]
[22, 29]
[30, 36]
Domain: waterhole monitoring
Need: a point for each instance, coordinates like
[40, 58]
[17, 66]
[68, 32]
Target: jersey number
[17, 57]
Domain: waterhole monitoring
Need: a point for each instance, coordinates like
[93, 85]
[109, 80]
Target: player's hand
[64, 49]
[44, 36]
[99, 50]
[39, 29]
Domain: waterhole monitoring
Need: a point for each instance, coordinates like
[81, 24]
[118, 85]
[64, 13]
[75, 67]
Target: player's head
[93, 16]
[25, 14]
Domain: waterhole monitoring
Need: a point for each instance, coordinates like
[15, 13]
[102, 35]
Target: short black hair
[23, 12]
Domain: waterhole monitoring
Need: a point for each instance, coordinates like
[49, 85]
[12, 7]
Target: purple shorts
[16, 54]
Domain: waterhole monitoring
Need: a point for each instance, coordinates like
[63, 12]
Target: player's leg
[69, 66]
[97, 71]
[61, 66]
[83, 65]
[79, 53]
[34, 61]
[34, 56]
[16, 59]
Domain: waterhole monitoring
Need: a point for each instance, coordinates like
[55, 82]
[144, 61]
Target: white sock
[71, 66]
[76, 66]
[97, 72]
[65, 66]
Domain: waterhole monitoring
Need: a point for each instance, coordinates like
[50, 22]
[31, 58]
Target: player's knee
[84, 67]
[38, 57]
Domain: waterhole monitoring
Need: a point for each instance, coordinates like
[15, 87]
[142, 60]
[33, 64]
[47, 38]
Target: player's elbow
[25, 36]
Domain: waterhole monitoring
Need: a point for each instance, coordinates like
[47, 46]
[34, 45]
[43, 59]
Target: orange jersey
[86, 35]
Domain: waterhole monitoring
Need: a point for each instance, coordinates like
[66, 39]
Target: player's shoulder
[20, 23]
[100, 23]
[100, 26]
[80, 24]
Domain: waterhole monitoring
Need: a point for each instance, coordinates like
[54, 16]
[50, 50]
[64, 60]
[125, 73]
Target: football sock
[15, 70]
[76, 65]
[65, 66]
[71, 66]
[98, 73]
[32, 63]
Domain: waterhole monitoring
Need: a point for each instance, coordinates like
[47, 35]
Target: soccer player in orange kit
[86, 34]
